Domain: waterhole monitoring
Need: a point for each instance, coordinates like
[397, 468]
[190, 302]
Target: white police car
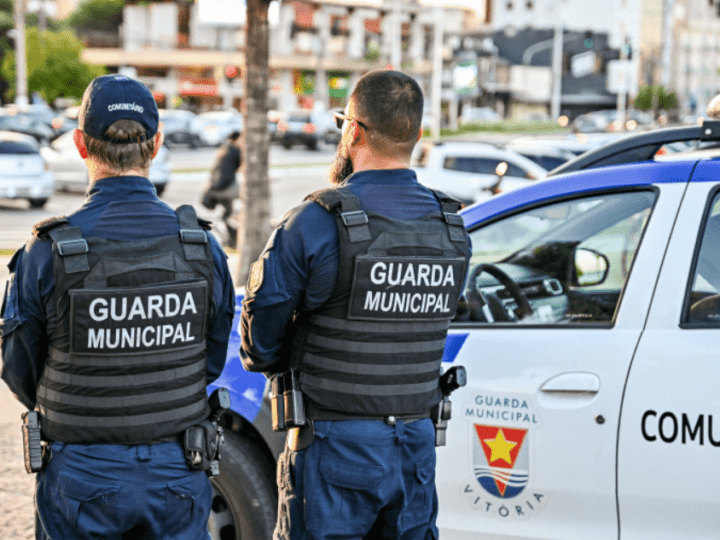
[589, 333]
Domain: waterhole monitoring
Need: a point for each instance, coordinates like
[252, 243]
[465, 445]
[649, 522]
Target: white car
[23, 171]
[71, 173]
[214, 127]
[467, 170]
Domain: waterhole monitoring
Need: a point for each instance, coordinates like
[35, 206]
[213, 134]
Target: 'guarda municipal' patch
[405, 288]
[137, 319]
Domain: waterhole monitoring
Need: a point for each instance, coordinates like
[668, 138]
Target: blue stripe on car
[246, 389]
[453, 344]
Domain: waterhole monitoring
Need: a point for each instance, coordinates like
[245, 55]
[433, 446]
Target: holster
[299, 438]
[202, 444]
[36, 454]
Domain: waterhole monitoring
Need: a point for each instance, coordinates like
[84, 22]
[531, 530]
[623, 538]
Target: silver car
[24, 173]
[71, 173]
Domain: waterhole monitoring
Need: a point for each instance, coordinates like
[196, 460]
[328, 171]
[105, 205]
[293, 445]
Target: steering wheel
[477, 302]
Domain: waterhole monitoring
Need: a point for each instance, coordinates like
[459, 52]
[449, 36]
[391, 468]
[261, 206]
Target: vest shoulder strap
[192, 234]
[449, 204]
[71, 246]
[40, 230]
[450, 208]
[346, 204]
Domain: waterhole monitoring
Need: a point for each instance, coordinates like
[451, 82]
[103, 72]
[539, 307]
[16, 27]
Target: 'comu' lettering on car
[137, 320]
[402, 288]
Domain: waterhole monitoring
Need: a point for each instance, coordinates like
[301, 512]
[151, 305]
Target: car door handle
[575, 382]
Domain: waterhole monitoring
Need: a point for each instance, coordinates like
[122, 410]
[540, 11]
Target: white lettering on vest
[98, 314]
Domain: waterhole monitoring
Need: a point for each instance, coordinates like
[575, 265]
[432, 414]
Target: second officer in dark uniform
[114, 321]
[355, 291]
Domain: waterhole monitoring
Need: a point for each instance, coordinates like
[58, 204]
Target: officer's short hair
[391, 103]
[133, 149]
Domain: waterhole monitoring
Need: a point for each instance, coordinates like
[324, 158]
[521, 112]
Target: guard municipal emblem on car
[502, 427]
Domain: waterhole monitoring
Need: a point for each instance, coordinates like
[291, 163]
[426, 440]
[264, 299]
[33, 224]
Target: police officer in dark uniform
[354, 292]
[114, 321]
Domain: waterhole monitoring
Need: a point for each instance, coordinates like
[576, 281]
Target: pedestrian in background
[114, 321]
[354, 294]
[222, 188]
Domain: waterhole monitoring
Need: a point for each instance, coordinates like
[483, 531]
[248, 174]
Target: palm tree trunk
[255, 189]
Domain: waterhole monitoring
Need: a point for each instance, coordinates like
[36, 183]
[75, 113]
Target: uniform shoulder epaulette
[41, 229]
[205, 223]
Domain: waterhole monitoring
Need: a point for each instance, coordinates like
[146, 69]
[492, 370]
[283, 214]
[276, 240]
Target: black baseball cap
[116, 97]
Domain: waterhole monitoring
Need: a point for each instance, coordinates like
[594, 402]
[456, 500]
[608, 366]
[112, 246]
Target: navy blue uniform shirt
[301, 261]
[121, 208]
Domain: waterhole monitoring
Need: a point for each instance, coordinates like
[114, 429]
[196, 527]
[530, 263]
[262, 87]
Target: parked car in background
[177, 127]
[71, 173]
[25, 121]
[24, 173]
[214, 127]
[548, 157]
[469, 170]
[65, 121]
[305, 127]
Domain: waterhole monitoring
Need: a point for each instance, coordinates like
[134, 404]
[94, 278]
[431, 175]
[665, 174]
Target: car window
[17, 147]
[563, 263]
[475, 165]
[704, 302]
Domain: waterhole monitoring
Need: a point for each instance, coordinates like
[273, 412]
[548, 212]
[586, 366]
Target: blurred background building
[522, 59]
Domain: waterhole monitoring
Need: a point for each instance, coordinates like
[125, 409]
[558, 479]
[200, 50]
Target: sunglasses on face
[340, 119]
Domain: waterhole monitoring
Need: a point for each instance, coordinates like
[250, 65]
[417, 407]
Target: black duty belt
[318, 414]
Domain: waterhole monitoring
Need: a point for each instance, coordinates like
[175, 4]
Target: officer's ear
[159, 139]
[354, 132]
[80, 143]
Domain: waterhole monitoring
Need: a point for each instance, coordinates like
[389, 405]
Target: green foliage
[54, 66]
[103, 15]
[503, 126]
[655, 96]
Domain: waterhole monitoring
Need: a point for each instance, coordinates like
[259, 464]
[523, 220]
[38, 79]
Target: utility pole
[254, 228]
[622, 67]
[557, 62]
[667, 42]
[21, 90]
[396, 36]
[436, 86]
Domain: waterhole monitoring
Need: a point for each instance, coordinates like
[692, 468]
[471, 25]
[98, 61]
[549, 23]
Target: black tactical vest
[374, 349]
[126, 363]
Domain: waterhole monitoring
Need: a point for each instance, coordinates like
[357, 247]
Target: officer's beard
[341, 167]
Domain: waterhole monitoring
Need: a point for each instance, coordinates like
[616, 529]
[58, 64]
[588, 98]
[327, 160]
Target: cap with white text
[110, 98]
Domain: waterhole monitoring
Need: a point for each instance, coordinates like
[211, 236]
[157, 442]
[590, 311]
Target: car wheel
[244, 494]
[160, 188]
[287, 145]
[312, 145]
[37, 203]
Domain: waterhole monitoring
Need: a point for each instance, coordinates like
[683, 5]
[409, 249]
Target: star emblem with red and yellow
[501, 446]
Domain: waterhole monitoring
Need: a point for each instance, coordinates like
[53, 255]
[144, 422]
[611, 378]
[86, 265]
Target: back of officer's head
[391, 104]
[119, 119]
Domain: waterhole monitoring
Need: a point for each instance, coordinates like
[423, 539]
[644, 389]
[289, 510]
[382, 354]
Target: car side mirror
[501, 169]
[591, 267]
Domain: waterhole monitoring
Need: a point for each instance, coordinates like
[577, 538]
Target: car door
[669, 448]
[532, 444]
